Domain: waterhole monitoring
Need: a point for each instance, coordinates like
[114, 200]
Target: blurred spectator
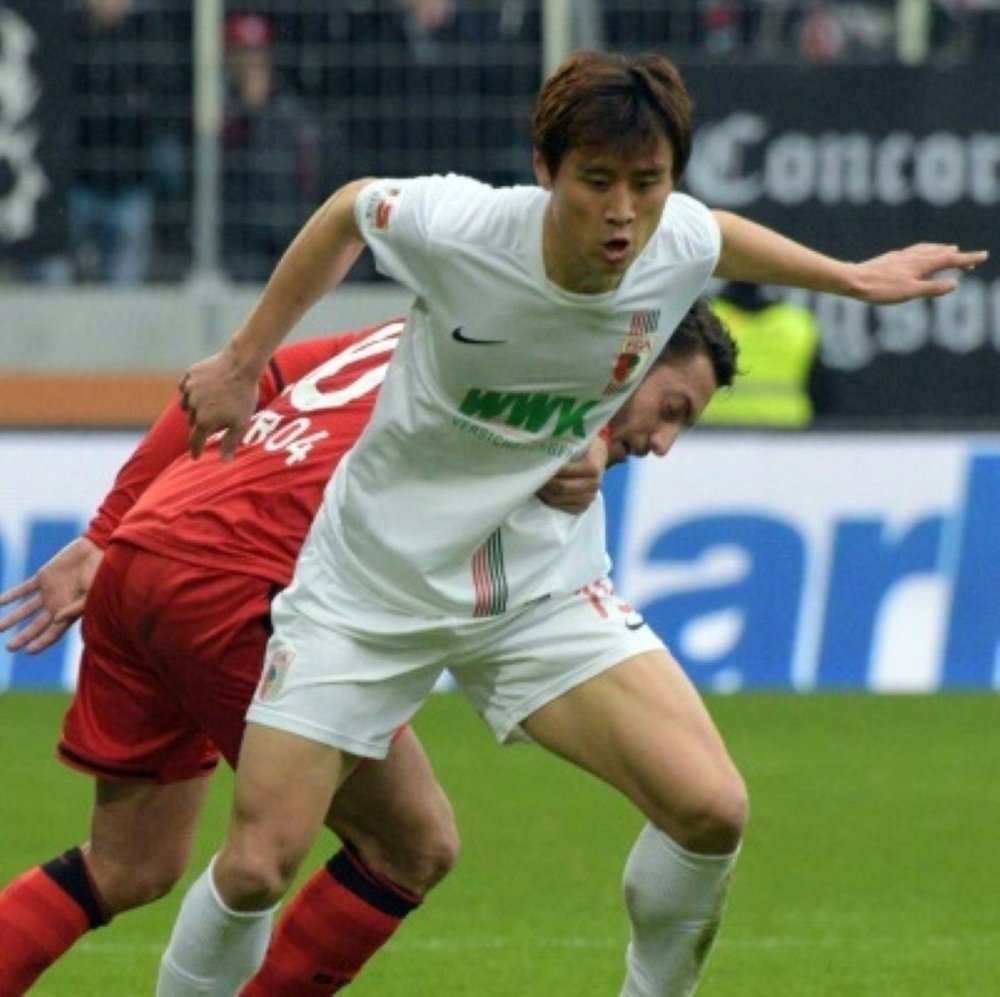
[823, 38]
[961, 30]
[772, 25]
[848, 32]
[425, 86]
[423, 22]
[112, 198]
[271, 154]
[815, 30]
[779, 345]
[722, 29]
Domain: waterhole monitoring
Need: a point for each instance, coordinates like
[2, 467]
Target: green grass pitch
[870, 868]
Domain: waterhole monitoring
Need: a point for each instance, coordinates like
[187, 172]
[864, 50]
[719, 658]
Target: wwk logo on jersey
[534, 411]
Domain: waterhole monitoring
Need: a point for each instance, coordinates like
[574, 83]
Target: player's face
[605, 207]
[670, 398]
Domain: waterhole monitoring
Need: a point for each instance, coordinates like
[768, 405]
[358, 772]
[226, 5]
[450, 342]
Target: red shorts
[172, 655]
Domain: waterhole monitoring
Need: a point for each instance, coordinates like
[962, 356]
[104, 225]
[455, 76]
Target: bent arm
[218, 393]
[317, 261]
[759, 255]
[576, 484]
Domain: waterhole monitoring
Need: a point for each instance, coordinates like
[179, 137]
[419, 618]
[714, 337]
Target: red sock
[42, 913]
[335, 924]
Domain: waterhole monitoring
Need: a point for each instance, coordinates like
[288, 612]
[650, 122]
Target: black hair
[702, 331]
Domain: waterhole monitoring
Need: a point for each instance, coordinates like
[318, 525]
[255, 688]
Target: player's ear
[542, 174]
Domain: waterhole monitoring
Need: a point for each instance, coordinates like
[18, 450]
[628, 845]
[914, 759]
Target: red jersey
[251, 514]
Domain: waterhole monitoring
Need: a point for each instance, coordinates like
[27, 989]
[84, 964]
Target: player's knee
[124, 887]
[714, 820]
[420, 856]
[157, 884]
[251, 876]
[436, 851]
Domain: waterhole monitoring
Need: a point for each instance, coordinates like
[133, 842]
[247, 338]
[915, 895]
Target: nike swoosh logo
[456, 334]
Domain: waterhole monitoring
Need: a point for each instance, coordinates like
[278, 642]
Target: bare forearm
[220, 392]
[317, 261]
[759, 255]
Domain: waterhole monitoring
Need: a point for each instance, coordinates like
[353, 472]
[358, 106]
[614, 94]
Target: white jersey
[500, 378]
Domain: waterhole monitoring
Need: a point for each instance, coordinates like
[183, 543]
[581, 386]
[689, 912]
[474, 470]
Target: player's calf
[675, 901]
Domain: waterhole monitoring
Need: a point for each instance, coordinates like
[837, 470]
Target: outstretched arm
[753, 253]
[219, 393]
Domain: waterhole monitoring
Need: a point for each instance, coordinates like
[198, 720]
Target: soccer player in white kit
[536, 313]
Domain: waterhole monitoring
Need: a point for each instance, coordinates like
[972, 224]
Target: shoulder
[690, 227]
[447, 207]
[683, 209]
[453, 193]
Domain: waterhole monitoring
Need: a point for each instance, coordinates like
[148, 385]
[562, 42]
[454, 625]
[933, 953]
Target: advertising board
[781, 561]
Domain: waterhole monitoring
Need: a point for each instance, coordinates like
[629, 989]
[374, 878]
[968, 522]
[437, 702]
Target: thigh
[395, 807]
[141, 835]
[205, 633]
[539, 654]
[84, 211]
[133, 213]
[133, 231]
[284, 788]
[642, 727]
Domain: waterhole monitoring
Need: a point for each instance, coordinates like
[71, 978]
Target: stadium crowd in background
[393, 87]
[122, 158]
[275, 160]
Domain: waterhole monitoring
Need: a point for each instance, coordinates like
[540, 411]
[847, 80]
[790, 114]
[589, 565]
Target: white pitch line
[580, 943]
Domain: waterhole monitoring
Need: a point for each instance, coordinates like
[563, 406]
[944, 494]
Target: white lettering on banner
[940, 169]
[855, 333]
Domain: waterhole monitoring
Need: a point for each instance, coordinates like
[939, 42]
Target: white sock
[675, 900]
[213, 950]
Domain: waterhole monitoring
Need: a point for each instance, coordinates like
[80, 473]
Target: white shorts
[351, 687]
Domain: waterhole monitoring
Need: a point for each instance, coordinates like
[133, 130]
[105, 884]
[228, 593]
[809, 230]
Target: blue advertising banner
[782, 561]
[820, 561]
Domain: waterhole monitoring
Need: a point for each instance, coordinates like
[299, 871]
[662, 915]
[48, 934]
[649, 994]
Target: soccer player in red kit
[174, 633]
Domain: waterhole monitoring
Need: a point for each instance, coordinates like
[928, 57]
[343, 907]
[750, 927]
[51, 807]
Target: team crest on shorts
[276, 666]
